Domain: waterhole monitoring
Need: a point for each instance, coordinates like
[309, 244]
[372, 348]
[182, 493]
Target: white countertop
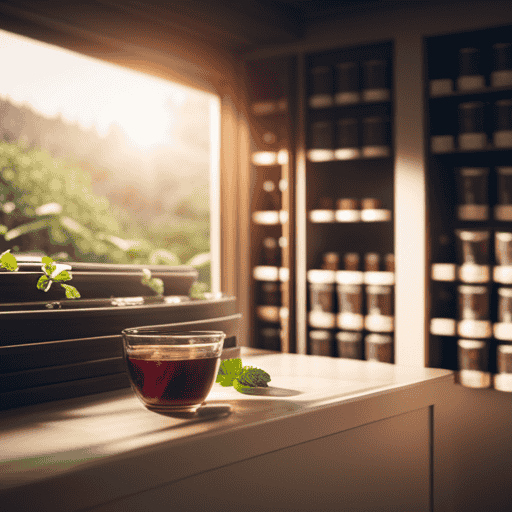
[85, 439]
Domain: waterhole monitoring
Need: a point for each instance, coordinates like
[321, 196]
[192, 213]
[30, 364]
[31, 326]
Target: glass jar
[472, 134]
[470, 73]
[350, 344]
[321, 87]
[379, 347]
[473, 193]
[473, 358]
[347, 83]
[320, 343]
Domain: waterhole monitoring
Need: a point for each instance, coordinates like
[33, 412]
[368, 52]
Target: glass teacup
[172, 371]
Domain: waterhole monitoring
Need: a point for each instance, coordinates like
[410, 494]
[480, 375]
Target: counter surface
[107, 446]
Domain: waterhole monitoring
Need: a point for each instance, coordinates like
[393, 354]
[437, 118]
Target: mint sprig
[8, 261]
[58, 272]
[232, 373]
[155, 283]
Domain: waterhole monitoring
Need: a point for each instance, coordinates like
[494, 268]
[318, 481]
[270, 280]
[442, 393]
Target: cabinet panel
[381, 466]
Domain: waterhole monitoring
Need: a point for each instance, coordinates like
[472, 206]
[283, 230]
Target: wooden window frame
[144, 43]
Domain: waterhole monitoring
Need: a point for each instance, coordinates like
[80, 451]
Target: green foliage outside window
[48, 206]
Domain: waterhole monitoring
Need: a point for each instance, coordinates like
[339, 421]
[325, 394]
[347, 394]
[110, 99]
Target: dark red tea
[177, 383]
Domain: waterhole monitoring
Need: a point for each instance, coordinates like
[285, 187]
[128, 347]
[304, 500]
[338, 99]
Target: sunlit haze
[88, 91]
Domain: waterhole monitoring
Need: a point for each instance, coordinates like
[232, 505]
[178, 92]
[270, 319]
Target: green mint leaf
[8, 261]
[242, 388]
[71, 291]
[229, 371]
[197, 290]
[253, 377]
[155, 283]
[62, 276]
[49, 266]
[44, 283]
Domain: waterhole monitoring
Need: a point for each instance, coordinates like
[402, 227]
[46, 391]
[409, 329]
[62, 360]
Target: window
[101, 163]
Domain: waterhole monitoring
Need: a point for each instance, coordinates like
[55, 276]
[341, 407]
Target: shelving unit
[423, 207]
[272, 107]
[346, 100]
[469, 141]
[349, 200]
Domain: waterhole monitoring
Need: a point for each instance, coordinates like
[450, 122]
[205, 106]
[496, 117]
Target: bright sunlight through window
[103, 164]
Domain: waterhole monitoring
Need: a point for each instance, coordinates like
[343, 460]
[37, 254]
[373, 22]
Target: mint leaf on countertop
[253, 377]
[232, 373]
[229, 371]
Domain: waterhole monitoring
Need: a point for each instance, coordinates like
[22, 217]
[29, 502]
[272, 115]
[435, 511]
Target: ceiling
[315, 10]
[249, 24]
[237, 25]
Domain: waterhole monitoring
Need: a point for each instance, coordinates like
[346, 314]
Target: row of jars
[480, 126]
[351, 262]
[345, 344]
[350, 138]
[473, 365]
[352, 345]
[473, 193]
[368, 209]
[472, 310]
[475, 261]
[359, 307]
[472, 74]
[348, 83]
[337, 297]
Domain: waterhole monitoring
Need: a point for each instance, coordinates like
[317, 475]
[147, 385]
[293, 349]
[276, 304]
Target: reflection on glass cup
[172, 371]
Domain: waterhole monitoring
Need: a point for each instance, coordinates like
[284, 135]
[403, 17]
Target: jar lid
[473, 236]
[378, 338]
[378, 290]
[505, 349]
[331, 257]
[347, 204]
[471, 290]
[473, 171]
[471, 344]
[505, 292]
[504, 170]
[349, 288]
[371, 203]
[320, 335]
[504, 237]
[349, 337]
